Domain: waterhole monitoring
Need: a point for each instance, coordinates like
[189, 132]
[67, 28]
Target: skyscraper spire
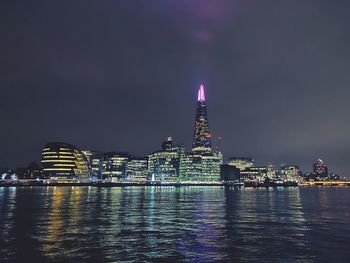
[201, 94]
[201, 136]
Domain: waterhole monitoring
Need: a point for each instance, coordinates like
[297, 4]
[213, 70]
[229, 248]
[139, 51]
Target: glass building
[137, 169]
[163, 165]
[320, 169]
[203, 167]
[95, 163]
[201, 135]
[114, 166]
[202, 164]
[254, 174]
[229, 173]
[290, 173]
[271, 172]
[63, 161]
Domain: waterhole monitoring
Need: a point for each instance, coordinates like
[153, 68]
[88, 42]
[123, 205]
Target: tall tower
[201, 136]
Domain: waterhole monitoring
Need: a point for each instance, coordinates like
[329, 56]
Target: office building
[95, 163]
[290, 173]
[137, 169]
[203, 166]
[163, 165]
[114, 166]
[201, 135]
[229, 173]
[64, 161]
[320, 169]
[271, 172]
[241, 163]
[254, 174]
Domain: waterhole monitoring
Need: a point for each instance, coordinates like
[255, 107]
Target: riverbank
[24, 183]
[325, 183]
[115, 184]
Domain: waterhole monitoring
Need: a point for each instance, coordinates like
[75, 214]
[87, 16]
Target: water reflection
[54, 221]
[328, 219]
[7, 207]
[195, 224]
[266, 223]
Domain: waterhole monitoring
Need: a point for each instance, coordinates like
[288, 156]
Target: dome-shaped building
[63, 161]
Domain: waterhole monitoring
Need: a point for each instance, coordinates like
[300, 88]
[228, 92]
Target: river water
[168, 224]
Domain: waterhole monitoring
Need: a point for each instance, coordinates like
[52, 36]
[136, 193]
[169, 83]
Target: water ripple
[189, 224]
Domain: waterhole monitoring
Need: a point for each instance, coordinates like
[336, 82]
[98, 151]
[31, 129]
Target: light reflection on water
[195, 224]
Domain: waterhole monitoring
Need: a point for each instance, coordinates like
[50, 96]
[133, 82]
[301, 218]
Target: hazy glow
[201, 95]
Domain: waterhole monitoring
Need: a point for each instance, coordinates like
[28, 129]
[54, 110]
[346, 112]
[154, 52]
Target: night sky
[123, 75]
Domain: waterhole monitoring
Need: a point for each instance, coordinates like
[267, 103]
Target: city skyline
[199, 162]
[174, 131]
[202, 138]
[125, 79]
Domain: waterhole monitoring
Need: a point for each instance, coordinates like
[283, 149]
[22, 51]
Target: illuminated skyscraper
[202, 164]
[320, 168]
[201, 136]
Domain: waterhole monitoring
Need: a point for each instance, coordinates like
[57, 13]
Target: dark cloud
[122, 75]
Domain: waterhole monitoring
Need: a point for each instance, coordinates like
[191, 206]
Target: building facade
[163, 165]
[256, 174]
[290, 173]
[201, 135]
[114, 166]
[320, 169]
[229, 173]
[137, 169]
[200, 167]
[95, 163]
[64, 161]
[241, 163]
[202, 164]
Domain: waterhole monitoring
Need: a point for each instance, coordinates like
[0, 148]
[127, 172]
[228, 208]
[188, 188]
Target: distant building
[321, 173]
[290, 173]
[21, 172]
[167, 145]
[200, 166]
[201, 135]
[33, 171]
[163, 165]
[95, 163]
[229, 173]
[8, 175]
[241, 163]
[114, 166]
[137, 169]
[254, 174]
[249, 175]
[271, 172]
[63, 161]
[211, 163]
[320, 169]
[334, 177]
